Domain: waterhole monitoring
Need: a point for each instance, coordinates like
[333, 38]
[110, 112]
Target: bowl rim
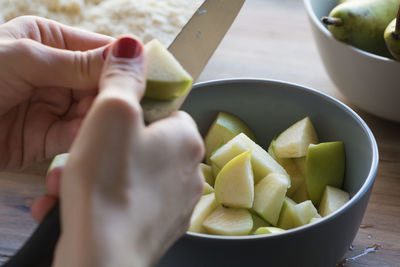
[326, 32]
[369, 181]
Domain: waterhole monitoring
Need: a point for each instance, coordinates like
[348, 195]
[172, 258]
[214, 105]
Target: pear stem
[332, 21]
[396, 33]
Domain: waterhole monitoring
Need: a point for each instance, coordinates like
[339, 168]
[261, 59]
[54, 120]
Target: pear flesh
[268, 230]
[332, 200]
[203, 208]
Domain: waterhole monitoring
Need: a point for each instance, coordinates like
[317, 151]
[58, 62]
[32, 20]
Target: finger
[60, 136]
[45, 66]
[57, 35]
[41, 206]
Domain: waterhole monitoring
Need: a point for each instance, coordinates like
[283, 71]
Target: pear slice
[325, 165]
[204, 207]
[166, 78]
[207, 172]
[229, 221]
[269, 195]
[58, 161]
[288, 216]
[305, 212]
[314, 220]
[301, 194]
[332, 200]
[234, 185]
[258, 222]
[208, 189]
[268, 230]
[261, 162]
[224, 128]
[294, 141]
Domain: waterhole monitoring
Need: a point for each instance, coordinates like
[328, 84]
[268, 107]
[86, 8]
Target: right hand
[127, 190]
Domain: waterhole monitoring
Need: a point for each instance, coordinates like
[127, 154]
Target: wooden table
[270, 39]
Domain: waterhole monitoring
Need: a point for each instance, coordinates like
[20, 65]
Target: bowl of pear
[358, 42]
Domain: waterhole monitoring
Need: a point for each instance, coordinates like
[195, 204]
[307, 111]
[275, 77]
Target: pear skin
[362, 23]
[392, 37]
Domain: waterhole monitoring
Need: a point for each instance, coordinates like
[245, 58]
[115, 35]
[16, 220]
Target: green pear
[268, 230]
[392, 37]
[207, 173]
[305, 212]
[269, 195]
[203, 208]
[224, 128]
[208, 189]
[258, 222]
[234, 185]
[362, 23]
[229, 221]
[294, 141]
[325, 165]
[166, 78]
[58, 161]
[288, 216]
[301, 193]
[332, 200]
[261, 162]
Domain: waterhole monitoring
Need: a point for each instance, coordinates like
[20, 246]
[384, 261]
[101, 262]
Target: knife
[192, 47]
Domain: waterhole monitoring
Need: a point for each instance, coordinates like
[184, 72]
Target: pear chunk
[166, 78]
[234, 186]
[224, 128]
[288, 216]
[258, 222]
[204, 207]
[58, 161]
[261, 162]
[268, 230]
[332, 200]
[229, 221]
[269, 195]
[208, 189]
[305, 211]
[294, 141]
[207, 172]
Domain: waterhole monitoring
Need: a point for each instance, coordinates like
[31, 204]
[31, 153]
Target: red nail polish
[127, 48]
[106, 51]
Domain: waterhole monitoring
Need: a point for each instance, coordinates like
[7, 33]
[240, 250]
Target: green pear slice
[288, 216]
[258, 222]
[234, 185]
[332, 200]
[261, 162]
[294, 141]
[269, 195]
[208, 189]
[268, 230]
[166, 78]
[314, 220]
[207, 172]
[58, 161]
[229, 221]
[301, 194]
[305, 212]
[224, 128]
[325, 165]
[203, 208]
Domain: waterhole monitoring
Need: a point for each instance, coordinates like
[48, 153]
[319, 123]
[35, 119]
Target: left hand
[48, 79]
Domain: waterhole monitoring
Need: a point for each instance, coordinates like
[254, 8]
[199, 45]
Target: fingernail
[127, 48]
[106, 51]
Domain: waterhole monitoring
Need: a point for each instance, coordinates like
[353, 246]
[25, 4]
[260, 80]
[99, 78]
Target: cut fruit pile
[249, 191]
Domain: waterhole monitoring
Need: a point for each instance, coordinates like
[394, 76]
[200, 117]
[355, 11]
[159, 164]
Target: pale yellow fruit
[268, 230]
[229, 221]
[234, 185]
[288, 216]
[305, 211]
[269, 195]
[294, 141]
[166, 78]
[208, 189]
[208, 175]
[314, 220]
[204, 207]
[332, 200]
[224, 128]
[258, 222]
[261, 162]
[58, 161]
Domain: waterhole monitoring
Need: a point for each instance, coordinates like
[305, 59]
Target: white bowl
[368, 81]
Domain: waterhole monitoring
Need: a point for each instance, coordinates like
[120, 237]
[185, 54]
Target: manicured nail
[127, 48]
[106, 51]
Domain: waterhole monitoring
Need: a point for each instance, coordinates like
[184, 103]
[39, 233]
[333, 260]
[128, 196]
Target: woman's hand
[128, 190]
[49, 76]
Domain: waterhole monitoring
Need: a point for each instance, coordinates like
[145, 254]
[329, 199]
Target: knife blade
[194, 46]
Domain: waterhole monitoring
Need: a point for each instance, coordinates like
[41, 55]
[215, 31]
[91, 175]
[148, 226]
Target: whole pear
[392, 37]
[361, 23]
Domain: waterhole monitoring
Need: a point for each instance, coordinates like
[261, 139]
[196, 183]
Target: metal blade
[194, 46]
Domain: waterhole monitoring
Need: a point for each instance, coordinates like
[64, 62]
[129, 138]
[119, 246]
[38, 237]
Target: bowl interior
[269, 107]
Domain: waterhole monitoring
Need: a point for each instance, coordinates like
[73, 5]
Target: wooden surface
[270, 39]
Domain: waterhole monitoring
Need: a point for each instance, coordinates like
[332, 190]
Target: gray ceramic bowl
[270, 107]
[368, 81]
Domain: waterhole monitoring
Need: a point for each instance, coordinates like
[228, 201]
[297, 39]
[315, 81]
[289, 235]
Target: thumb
[45, 66]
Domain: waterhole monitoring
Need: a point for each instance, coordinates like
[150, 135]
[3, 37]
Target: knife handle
[38, 251]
